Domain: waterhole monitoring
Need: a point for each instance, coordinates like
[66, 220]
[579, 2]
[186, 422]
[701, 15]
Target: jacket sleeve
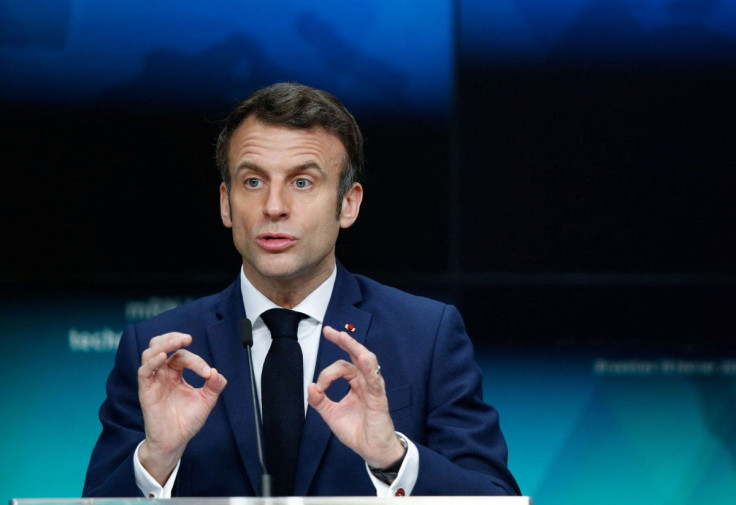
[465, 452]
[110, 472]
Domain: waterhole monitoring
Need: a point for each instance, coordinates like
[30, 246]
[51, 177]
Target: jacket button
[400, 492]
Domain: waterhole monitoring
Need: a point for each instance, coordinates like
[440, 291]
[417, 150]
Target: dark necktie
[282, 398]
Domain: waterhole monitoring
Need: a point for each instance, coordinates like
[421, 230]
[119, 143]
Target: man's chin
[276, 270]
[283, 271]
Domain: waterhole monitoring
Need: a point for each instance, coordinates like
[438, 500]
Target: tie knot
[282, 323]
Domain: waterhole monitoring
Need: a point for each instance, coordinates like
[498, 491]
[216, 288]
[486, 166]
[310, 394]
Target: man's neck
[289, 293]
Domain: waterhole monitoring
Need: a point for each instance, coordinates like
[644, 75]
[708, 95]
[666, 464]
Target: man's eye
[302, 183]
[253, 182]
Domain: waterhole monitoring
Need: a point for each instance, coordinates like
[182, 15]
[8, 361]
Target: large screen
[563, 172]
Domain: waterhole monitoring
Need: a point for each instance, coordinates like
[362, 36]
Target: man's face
[282, 203]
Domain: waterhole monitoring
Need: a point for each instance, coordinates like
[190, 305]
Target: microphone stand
[246, 333]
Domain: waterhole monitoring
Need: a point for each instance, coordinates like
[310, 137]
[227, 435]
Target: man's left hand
[361, 419]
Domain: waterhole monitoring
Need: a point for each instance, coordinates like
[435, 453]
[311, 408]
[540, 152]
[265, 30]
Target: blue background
[562, 171]
[577, 429]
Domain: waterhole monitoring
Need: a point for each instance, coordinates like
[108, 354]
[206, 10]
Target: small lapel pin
[349, 327]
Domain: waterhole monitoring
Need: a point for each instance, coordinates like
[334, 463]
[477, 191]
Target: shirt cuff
[147, 484]
[405, 479]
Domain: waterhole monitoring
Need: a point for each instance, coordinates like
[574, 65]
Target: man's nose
[276, 205]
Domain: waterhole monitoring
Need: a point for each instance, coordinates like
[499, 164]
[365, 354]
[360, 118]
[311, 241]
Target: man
[179, 422]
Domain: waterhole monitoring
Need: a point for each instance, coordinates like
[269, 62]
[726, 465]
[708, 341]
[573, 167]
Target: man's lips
[275, 242]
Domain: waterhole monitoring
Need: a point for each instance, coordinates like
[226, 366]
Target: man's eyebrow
[307, 165]
[247, 165]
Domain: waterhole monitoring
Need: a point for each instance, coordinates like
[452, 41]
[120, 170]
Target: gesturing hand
[173, 410]
[361, 419]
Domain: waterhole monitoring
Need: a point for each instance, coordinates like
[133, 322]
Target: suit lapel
[341, 311]
[231, 360]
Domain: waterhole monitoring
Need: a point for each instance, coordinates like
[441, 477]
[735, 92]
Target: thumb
[215, 383]
[317, 398]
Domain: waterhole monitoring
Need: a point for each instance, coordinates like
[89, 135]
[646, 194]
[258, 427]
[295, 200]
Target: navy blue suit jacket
[432, 381]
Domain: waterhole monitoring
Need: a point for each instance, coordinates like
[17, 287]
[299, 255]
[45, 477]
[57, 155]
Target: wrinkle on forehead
[254, 140]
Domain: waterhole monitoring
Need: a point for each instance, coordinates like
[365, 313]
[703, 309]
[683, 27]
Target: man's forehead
[254, 135]
[254, 124]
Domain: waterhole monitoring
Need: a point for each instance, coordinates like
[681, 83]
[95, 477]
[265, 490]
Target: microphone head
[246, 332]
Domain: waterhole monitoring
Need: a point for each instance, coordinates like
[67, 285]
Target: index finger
[182, 359]
[166, 343]
[343, 341]
[362, 358]
[173, 338]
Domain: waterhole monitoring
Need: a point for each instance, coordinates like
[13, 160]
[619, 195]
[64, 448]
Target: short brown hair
[298, 106]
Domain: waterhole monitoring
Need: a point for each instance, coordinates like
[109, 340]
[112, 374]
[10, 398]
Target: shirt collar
[314, 305]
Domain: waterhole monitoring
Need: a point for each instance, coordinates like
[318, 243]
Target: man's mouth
[275, 242]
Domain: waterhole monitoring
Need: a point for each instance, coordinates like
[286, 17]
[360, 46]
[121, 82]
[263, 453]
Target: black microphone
[246, 334]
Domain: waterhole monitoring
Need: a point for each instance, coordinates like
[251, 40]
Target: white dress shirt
[309, 336]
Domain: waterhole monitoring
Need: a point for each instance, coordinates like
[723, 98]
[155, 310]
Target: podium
[311, 500]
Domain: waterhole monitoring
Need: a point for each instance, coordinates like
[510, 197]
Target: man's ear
[225, 213]
[351, 205]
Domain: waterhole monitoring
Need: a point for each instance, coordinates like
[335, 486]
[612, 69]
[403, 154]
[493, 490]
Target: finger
[182, 359]
[355, 349]
[317, 398]
[339, 369]
[215, 383]
[362, 358]
[342, 340]
[150, 367]
[171, 340]
[167, 343]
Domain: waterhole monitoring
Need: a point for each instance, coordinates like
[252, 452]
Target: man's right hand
[173, 410]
